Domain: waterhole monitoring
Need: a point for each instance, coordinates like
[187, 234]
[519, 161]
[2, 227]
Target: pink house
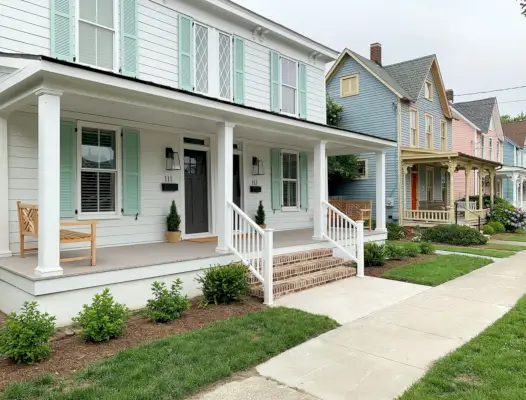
[477, 132]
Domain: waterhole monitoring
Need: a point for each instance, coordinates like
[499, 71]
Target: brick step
[282, 272]
[301, 256]
[302, 282]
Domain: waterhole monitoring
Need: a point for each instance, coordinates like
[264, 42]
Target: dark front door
[237, 181]
[414, 191]
[195, 191]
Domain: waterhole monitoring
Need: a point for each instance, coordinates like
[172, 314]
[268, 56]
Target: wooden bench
[361, 210]
[28, 225]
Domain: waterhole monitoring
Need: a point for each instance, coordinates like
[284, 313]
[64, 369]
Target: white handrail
[254, 246]
[344, 233]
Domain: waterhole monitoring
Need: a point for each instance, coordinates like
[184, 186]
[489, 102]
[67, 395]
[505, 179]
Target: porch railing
[254, 246]
[472, 205]
[427, 215]
[346, 234]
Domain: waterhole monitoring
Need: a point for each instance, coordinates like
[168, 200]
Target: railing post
[268, 271]
[360, 249]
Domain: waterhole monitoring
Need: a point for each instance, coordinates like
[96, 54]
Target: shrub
[224, 284]
[167, 305]
[395, 232]
[497, 226]
[374, 255]
[259, 218]
[173, 220]
[427, 248]
[454, 234]
[488, 230]
[394, 252]
[25, 336]
[412, 250]
[516, 220]
[104, 319]
[500, 213]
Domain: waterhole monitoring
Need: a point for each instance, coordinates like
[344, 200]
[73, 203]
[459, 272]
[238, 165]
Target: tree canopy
[507, 118]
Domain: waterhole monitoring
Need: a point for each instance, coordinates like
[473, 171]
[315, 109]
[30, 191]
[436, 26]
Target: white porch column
[48, 183]
[4, 194]
[320, 182]
[492, 186]
[380, 192]
[225, 172]
[514, 179]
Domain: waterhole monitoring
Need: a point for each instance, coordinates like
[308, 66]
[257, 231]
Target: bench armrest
[78, 223]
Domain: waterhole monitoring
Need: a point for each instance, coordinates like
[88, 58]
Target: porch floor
[143, 255]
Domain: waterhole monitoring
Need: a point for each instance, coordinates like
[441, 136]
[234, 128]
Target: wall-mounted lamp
[173, 163]
[258, 167]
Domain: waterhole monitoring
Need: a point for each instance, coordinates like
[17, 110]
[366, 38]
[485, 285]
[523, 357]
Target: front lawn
[177, 366]
[512, 237]
[437, 270]
[489, 367]
[479, 250]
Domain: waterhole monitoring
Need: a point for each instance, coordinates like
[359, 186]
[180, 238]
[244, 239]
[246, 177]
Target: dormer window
[428, 90]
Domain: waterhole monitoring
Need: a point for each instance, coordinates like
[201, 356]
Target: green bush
[394, 252]
[374, 255]
[497, 226]
[488, 230]
[224, 284]
[104, 319]
[25, 336]
[427, 248]
[412, 250]
[501, 213]
[167, 305]
[454, 234]
[395, 232]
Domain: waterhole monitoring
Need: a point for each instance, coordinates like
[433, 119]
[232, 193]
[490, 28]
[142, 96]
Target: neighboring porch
[429, 196]
[513, 185]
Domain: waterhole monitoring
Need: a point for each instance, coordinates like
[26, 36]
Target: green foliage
[334, 111]
[342, 168]
[394, 252]
[395, 231]
[374, 255]
[505, 119]
[454, 234]
[427, 248]
[25, 336]
[260, 214]
[412, 249]
[173, 220]
[488, 230]
[104, 319]
[167, 305]
[497, 226]
[501, 213]
[224, 284]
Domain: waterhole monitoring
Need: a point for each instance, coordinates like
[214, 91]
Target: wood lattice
[28, 218]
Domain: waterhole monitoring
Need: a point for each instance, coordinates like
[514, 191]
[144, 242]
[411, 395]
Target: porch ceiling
[422, 156]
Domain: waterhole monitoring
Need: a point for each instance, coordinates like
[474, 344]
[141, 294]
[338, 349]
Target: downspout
[400, 172]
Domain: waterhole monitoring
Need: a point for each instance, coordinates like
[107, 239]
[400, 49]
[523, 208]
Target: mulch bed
[377, 272]
[71, 353]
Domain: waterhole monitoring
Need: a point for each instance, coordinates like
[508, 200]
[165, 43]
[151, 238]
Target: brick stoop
[298, 271]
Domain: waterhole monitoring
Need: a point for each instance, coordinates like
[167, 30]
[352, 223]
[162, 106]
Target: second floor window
[96, 33]
[482, 147]
[429, 131]
[201, 58]
[289, 85]
[413, 128]
[498, 151]
[225, 66]
[490, 155]
[443, 135]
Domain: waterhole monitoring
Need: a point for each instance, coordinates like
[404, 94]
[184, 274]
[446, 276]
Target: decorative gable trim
[439, 84]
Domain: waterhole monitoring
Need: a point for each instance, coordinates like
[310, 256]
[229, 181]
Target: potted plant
[260, 216]
[173, 221]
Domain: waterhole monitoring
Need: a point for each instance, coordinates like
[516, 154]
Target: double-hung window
[443, 135]
[225, 66]
[290, 179]
[289, 86]
[482, 146]
[443, 181]
[96, 33]
[429, 131]
[413, 128]
[99, 166]
[428, 90]
[430, 178]
[490, 155]
[201, 58]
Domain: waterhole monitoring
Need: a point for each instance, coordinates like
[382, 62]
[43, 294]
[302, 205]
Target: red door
[414, 188]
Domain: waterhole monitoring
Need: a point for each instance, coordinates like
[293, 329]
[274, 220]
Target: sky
[480, 44]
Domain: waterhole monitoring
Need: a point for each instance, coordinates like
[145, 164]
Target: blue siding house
[513, 173]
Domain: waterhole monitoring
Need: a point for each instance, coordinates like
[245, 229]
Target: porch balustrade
[427, 215]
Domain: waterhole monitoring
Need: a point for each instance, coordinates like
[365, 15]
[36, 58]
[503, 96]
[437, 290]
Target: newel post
[360, 243]
[268, 267]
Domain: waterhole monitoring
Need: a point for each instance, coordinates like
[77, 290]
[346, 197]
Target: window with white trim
[289, 86]
[482, 146]
[225, 66]
[498, 151]
[443, 135]
[362, 169]
[96, 33]
[428, 90]
[413, 128]
[99, 168]
[429, 131]
[430, 180]
[201, 58]
[290, 179]
[349, 85]
[490, 155]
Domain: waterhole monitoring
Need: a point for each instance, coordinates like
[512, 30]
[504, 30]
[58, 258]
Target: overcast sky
[480, 44]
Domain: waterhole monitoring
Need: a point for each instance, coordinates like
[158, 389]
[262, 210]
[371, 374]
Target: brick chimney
[376, 53]
[450, 95]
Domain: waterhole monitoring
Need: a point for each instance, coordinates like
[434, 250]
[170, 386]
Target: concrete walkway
[509, 242]
[388, 339]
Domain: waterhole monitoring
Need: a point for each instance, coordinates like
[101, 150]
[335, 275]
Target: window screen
[289, 81]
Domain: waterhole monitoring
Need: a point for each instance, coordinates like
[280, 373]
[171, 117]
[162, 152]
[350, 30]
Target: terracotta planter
[263, 226]
[173, 237]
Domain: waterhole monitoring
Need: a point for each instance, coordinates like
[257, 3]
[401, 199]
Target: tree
[523, 6]
[505, 119]
[333, 112]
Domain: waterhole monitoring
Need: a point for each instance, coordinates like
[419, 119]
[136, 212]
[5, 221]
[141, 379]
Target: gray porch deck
[144, 255]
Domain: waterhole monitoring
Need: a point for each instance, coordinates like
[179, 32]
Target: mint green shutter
[186, 75]
[275, 82]
[239, 70]
[131, 172]
[304, 181]
[275, 169]
[68, 157]
[129, 38]
[62, 39]
[302, 93]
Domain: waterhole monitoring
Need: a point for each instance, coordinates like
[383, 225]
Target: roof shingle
[479, 112]
[516, 131]
[411, 74]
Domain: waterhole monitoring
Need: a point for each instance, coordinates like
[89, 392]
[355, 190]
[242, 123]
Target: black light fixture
[173, 163]
[258, 167]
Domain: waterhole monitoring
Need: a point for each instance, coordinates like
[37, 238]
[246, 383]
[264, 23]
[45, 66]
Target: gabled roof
[480, 112]
[516, 132]
[411, 74]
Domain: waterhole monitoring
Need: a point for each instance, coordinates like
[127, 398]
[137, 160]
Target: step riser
[293, 258]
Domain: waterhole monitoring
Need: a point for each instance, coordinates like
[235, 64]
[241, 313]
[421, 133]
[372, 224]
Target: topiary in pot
[260, 216]
[173, 221]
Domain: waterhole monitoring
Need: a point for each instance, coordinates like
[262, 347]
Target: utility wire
[511, 101]
[491, 91]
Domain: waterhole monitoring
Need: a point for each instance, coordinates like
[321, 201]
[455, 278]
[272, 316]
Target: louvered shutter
[68, 157]
[302, 93]
[62, 41]
[239, 70]
[275, 167]
[131, 172]
[129, 38]
[304, 181]
[275, 82]
[186, 75]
